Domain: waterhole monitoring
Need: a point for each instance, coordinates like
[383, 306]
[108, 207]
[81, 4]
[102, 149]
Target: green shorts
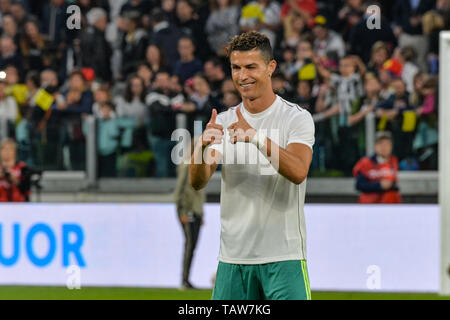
[284, 280]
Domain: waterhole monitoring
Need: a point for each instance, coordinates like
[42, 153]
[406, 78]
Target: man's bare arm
[202, 168]
[201, 173]
[292, 163]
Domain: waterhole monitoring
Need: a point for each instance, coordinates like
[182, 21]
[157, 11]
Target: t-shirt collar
[262, 114]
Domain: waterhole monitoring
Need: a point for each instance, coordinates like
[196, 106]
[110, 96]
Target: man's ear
[272, 66]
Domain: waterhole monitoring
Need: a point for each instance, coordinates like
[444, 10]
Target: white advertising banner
[350, 247]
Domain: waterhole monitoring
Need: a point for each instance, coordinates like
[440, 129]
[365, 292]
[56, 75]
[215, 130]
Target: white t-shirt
[262, 218]
[8, 109]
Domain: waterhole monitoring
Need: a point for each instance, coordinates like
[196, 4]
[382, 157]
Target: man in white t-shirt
[263, 233]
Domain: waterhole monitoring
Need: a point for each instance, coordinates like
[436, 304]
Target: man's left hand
[241, 131]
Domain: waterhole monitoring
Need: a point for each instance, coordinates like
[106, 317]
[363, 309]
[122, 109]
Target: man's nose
[243, 75]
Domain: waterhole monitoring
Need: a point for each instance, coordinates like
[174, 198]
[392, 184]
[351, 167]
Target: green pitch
[88, 293]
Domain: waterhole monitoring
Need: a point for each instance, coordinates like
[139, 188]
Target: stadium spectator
[20, 15]
[77, 103]
[203, 99]
[303, 68]
[9, 28]
[215, 75]
[327, 42]
[416, 97]
[307, 9]
[372, 89]
[188, 65]
[304, 95]
[231, 99]
[15, 182]
[88, 5]
[379, 55]
[154, 57]
[262, 16]
[32, 84]
[168, 8]
[376, 177]
[134, 43]
[362, 38]
[294, 28]
[108, 140]
[406, 56]
[189, 203]
[350, 15]
[165, 35]
[37, 51]
[95, 49]
[5, 8]
[408, 26]
[16, 88]
[281, 86]
[54, 17]
[163, 103]
[78, 97]
[144, 71]
[433, 22]
[9, 54]
[227, 87]
[8, 105]
[396, 115]
[132, 103]
[141, 6]
[426, 138]
[189, 23]
[347, 91]
[101, 96]
[222, 24]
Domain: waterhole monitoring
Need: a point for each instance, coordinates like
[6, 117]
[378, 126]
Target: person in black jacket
[96, 51]
[362, 39]
[163, 104]
[165, 36]
[408, 16]
[134, 43]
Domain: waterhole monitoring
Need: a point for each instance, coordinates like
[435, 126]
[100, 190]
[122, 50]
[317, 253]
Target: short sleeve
[301, 129]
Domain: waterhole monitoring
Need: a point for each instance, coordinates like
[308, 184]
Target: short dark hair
[108, 103]
[383, 135]
[251, 40]
[77, 72]
[33, 76]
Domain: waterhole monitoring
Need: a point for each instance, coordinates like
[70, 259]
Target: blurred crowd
[137, 65]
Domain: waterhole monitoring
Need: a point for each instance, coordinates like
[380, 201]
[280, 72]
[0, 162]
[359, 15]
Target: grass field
[88, 293]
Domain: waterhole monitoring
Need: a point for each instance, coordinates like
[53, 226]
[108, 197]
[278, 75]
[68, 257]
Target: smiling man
[263, 233]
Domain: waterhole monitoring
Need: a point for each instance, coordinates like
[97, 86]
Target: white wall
[140, 245]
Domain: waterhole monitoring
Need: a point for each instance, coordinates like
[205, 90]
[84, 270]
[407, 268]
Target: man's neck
[187, 59]
[260, 104]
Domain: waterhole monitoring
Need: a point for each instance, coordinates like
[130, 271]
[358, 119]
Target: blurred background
[92, 90]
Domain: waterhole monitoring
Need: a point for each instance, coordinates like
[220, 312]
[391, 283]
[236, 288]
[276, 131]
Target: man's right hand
[213, 133]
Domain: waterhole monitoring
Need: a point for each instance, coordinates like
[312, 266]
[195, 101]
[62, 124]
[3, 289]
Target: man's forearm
[292, 167]
[199, 169]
